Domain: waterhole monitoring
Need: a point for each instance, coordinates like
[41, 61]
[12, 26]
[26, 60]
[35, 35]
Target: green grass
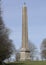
[28, 63]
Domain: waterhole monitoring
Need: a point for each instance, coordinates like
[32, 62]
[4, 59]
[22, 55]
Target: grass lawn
[28, 63]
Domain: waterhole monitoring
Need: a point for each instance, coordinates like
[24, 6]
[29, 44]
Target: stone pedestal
[24, 54]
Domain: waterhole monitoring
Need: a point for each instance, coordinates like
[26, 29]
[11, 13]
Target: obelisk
[25, 52]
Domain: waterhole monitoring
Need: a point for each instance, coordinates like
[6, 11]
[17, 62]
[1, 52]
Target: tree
[17, 55]
[6, 46]
[43, 49]
[33, 50]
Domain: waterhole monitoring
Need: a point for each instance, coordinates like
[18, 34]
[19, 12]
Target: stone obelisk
[25, 52]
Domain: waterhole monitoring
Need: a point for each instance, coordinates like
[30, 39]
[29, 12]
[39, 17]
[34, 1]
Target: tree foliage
[33, 50]
[6, 46]
[43, 49]
[17, 55]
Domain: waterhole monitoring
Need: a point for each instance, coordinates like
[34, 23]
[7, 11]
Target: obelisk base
[24, 54]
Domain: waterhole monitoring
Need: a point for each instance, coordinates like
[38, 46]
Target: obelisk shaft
[24, 28]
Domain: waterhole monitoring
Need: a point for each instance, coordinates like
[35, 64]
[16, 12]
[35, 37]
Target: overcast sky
[12, 15]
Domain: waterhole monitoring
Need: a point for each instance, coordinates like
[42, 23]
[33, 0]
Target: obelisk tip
[24, 4]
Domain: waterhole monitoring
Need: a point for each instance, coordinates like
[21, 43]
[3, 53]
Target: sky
[12, 16]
